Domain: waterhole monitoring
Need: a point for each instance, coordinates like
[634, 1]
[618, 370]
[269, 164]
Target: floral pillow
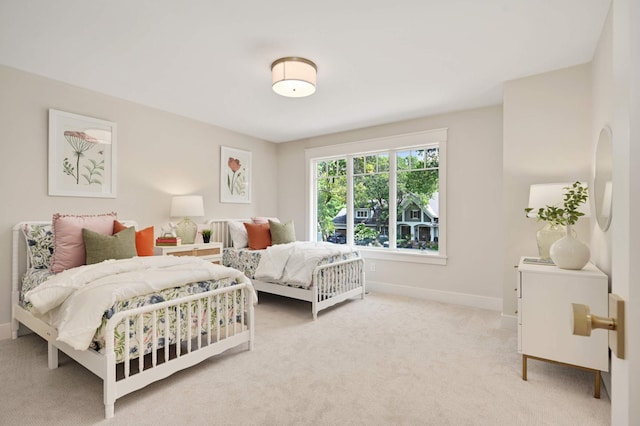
[39, 238]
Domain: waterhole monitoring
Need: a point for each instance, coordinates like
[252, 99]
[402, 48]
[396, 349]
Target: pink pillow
[260, 219]
[68, 245]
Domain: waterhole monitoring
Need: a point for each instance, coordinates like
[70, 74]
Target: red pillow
[259, 235]
[144, 238]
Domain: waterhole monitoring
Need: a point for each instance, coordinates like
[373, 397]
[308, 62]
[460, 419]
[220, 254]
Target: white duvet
[75, 300]
[295, 262]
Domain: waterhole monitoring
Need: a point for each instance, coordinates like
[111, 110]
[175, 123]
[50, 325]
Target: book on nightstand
[538, 261]
[168, 241]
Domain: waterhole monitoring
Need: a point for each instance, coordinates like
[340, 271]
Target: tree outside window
[415, 173]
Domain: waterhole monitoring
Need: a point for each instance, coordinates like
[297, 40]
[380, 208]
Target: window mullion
[350, 209]
[312, 200]
[392, 199]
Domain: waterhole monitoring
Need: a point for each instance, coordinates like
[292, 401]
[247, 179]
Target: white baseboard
[509, 321]
[483, 302]
[5, 331]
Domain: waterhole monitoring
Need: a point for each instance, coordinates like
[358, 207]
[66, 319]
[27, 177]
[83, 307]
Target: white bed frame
[162, 361]
[325, 277]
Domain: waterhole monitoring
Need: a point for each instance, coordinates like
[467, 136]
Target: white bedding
[76, 299]
[294, 263]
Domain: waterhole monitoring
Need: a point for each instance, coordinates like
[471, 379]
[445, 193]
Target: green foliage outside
[362, 233]
[417, 181]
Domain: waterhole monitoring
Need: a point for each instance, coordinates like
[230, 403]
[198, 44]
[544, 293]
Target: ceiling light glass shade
[293, 77]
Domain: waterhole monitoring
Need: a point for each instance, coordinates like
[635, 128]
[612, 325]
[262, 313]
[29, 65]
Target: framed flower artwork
[82, 156]
[235, 175]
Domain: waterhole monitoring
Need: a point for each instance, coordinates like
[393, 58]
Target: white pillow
[238, 234]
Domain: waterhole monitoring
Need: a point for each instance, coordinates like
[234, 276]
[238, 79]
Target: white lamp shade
[293, 77]
[187, 205]
[550, 194]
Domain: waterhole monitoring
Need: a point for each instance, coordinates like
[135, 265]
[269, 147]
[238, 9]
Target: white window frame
[351, 149]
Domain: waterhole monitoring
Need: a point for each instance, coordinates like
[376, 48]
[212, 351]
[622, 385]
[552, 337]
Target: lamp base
[546, 236]
[187, 229]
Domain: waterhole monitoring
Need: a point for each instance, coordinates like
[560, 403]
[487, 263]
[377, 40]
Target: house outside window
[351, 195]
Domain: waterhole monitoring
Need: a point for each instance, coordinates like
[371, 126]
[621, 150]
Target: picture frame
[82, 156]
[235, 175]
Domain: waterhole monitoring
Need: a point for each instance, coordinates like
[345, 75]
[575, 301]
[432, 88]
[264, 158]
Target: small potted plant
[206, 235]
[567, 252]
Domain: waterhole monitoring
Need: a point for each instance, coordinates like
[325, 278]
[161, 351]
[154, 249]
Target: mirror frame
[603, 179]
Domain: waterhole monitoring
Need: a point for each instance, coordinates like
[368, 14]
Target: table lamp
[541, 196]
[185, 206]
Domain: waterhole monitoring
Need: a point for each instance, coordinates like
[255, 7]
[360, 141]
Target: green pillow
[282, 233]
[99, 247]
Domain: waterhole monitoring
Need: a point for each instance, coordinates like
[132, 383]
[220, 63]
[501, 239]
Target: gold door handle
[583, 322]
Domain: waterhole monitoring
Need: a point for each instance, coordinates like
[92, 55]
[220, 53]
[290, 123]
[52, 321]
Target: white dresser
[545, 294]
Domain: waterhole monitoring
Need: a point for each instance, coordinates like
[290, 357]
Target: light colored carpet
[378, 361]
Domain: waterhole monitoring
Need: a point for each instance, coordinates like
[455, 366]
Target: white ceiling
[378, 61]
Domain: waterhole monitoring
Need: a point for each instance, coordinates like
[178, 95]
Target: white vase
[569, 252]
[546, 236]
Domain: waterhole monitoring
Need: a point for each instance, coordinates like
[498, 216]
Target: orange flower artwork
[235, 175]
[235, 181]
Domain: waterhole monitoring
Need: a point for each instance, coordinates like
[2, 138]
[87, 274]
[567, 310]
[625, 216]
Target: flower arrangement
[574, 196]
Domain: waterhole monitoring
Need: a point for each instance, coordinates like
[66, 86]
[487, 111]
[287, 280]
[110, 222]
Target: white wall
[547, 138]
[159, 155]
[602, 88]
[473, 272]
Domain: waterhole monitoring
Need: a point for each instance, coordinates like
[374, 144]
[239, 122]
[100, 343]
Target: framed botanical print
[82, 156]
[235, 175]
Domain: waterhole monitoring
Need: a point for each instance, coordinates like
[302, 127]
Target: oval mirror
[602, 181]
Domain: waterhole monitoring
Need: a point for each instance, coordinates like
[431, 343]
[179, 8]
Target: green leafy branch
[574, 196]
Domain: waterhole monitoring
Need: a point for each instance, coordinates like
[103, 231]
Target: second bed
[323, 273]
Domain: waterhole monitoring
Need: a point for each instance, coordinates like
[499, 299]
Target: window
[362, 214]
[386, 198]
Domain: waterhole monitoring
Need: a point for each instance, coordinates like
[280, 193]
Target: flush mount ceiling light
[293, 77]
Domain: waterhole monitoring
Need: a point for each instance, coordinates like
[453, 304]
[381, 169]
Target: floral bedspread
[244, 260]
[247, 261]
[143, 345]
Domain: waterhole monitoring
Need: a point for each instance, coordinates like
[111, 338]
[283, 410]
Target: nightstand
[545, 295]
[209, 251]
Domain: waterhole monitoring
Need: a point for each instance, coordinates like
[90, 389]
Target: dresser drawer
[210, 251]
